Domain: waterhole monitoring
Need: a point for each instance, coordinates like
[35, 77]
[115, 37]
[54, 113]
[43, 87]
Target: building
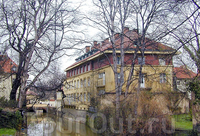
[8, 69]
[182, 77]
[90, 80]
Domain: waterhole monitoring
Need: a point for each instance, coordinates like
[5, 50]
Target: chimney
[116, 35]
[135, 30]
[105, 41]
[87, 49]
[126, 29]
[95, 45]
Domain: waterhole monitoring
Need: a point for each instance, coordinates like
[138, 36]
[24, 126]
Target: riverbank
[10, 119]
[7, 131]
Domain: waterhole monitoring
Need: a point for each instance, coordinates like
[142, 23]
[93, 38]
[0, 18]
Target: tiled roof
[7, 65]
[129, 37]
[31, 93]
[183, 73]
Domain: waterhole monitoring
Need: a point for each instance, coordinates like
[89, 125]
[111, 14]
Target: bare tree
[36, 30]
[144, 16]
[187, 36]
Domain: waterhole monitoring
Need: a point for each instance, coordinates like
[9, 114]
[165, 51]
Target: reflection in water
[48, 125]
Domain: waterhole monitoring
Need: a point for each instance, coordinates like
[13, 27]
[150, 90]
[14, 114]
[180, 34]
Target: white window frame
[163, 78]
[142, 81]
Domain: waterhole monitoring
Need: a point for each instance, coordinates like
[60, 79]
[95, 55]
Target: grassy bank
[7, 131]
[183, 122]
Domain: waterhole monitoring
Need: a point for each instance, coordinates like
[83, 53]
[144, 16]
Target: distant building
[91, 78]
[8, 69]
[182, 77]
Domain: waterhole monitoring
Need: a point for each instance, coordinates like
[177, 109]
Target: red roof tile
[129, 37]
[6, 64]
[183, 73]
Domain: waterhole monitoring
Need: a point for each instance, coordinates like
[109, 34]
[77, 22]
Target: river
[52, 125]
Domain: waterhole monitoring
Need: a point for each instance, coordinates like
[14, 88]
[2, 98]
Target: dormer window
[162, 62]
[14, 69]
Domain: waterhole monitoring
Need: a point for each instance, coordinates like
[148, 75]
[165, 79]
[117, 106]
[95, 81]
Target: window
[84, 97]
[81, 97]
[72, 73]
[85, 68]
[178, 82]
[81, 69]
[88, 97]
[74, 97]
[102, 75]
[81, 83]
[142, 81]
[118, 77]
[88, 81]
[69, 85]
[69, 99]
[84, 82]
[88, 67]
[72, 85]
[14, 69]
[101, 92]
[161, 61]
[77, 70]
[141, 61]
[162, 78]
[118, 60]
[77, 83]
[78, 97]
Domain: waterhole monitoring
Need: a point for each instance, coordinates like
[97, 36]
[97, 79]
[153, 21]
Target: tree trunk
[15, 87]
[23, 90]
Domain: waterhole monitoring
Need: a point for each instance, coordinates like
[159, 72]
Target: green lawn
[7, 131]
[183, 122]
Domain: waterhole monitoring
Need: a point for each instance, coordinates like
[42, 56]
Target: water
[51, 125]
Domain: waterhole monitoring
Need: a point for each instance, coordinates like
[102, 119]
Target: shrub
[7, 103]
[10, 119]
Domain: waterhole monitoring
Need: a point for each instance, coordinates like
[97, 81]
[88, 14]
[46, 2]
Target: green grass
[7, 131]
[183, 122]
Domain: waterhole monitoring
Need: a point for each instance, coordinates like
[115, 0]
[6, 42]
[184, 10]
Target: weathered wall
[6, 85]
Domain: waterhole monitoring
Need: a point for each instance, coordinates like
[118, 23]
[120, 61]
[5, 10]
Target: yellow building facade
[90, 80]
